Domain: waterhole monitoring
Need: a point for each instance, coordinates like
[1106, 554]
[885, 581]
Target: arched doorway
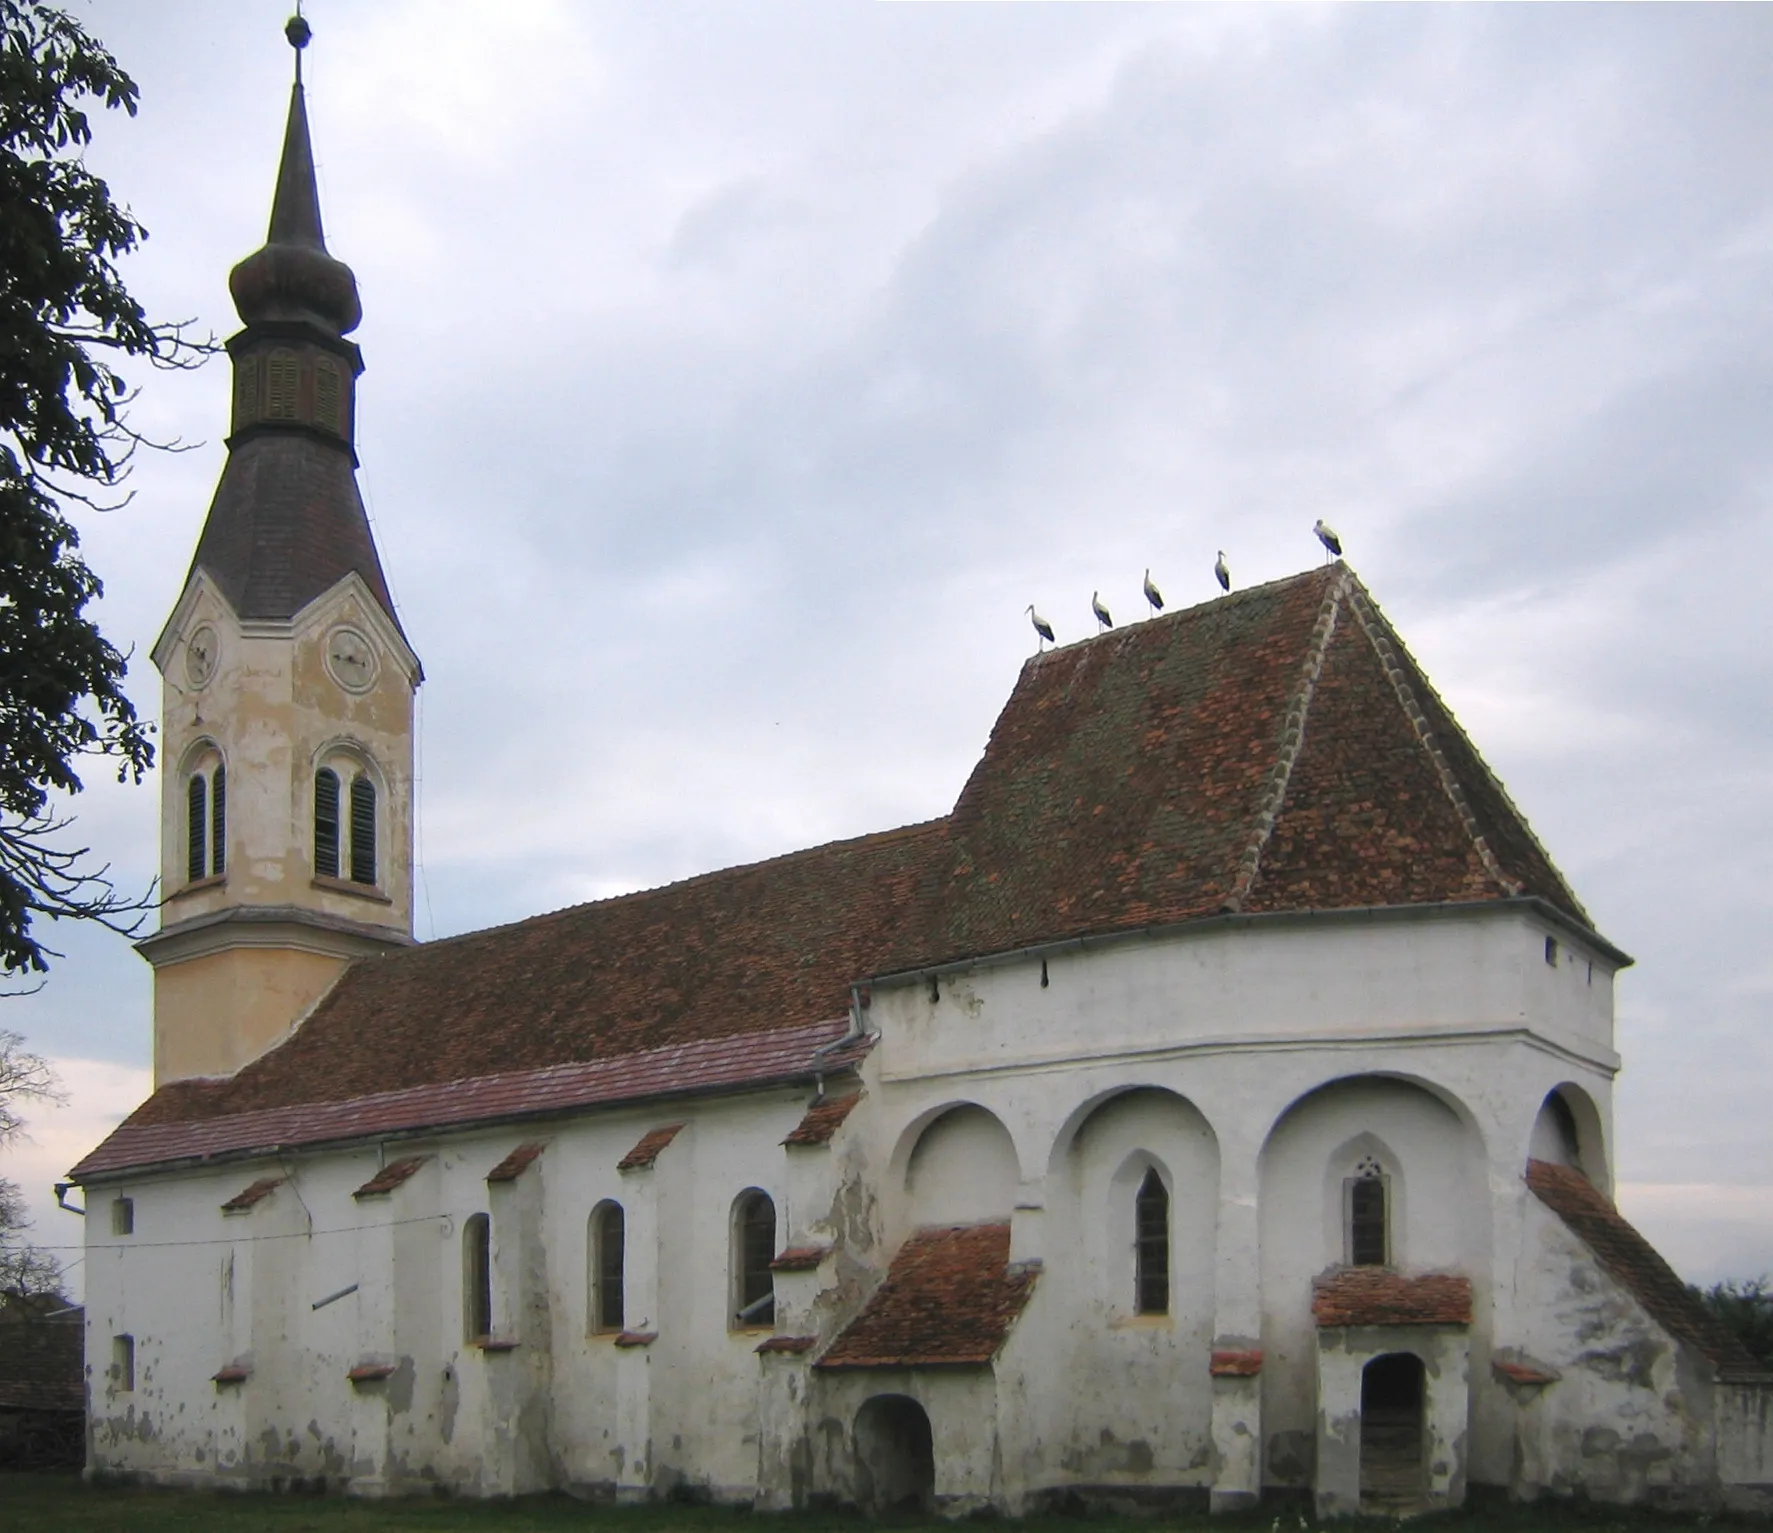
[895, 1456]
[1392, 1469]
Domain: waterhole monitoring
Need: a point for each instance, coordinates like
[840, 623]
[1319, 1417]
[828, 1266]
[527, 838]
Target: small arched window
[326, 823]
[607, 1237]
[206, 824]
[477, 1308]
[1369, 1223]
[1151, 1246]
[754, 1248]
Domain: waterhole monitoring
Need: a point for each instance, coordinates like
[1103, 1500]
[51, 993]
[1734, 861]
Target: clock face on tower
[350, 659]
[200, 656]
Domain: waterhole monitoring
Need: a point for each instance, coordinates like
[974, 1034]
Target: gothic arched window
[607, 1255]
[1151, 1246]
[345, 825]
[282, 372]
[753, 1249]
[1369, 1222]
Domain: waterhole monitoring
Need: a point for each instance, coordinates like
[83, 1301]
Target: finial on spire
[297, 30]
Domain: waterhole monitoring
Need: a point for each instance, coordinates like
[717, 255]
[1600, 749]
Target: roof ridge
[1292, 741]
[875, 837]
[1386, 645]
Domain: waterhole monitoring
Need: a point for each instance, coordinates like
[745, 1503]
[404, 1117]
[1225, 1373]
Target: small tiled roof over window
[948, 1300]
[647, 1150]
[1273, 751]
[251, 1197]
[515, 1164]
[1636, 1265]
[1379, 1296]
[395, 1174]
[823, 1119]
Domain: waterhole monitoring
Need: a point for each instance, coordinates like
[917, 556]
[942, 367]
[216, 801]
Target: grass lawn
[63, 1503]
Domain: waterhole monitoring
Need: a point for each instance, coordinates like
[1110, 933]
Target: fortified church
[1214, 1105]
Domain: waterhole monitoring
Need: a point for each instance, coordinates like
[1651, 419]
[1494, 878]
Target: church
[1213, 1106]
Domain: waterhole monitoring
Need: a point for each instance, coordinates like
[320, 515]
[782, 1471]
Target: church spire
[295, 211]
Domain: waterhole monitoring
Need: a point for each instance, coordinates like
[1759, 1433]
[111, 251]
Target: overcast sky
[738, 375]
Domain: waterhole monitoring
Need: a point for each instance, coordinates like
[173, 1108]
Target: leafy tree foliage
[1746, 1309]
[25, 1271]
[66, 321]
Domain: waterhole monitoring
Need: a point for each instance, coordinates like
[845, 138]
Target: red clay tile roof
[800, 1258]
[42, 1363]
[145, 1138]
[787, 1344]
[1236, 1365]
[515, 1164]
[1379, 1296]
[1274, 750]
[395, 1174]
[1636, 1265]
[248, 1197]
[949, 1299]
[823, 1119]
[647, 1150]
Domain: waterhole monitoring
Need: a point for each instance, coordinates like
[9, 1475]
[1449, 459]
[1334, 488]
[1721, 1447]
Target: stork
[1041, 627]
[1223, 571]
[1326, 534]
[1101, 612]
[1153, 595]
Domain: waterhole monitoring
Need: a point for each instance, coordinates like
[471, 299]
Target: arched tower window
[477, 1308]
[753, 1249]
[363, 830]
[606, 1264]
[326, 823]
[1369, 1222]
[206, 823]
[345, 840]
[1151, 1246]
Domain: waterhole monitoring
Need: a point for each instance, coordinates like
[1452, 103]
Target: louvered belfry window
[218, 821]
[1151, 1251]
[363, 830]
[196, 826]
[246, 392]
[326, 823]
[282, 371]
[326, 396]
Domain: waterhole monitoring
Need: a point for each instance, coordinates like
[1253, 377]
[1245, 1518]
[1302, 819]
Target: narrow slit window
[754, 1248]
[1367, 1223]
[123, 1363]
[477, 1277]
[1151, 1214]
[607, 1241]
[218, 821]
[363, 830]
[326, 823]
[196, 825]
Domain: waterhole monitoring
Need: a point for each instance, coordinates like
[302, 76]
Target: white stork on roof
[1153, 595]
[1041, 627]
[1101, 612]
[1223, 571]
[1326, 534]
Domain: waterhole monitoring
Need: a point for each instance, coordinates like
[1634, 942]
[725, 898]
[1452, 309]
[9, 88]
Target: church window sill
[636, 1338]
[199, 886]
[345, 886]
[495, 1343]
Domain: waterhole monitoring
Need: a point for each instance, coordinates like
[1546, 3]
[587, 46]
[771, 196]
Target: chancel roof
[1272, 751]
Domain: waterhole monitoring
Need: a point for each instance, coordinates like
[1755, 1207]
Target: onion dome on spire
[291, 277]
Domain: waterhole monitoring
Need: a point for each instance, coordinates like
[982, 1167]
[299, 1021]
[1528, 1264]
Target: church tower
[288, 685]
